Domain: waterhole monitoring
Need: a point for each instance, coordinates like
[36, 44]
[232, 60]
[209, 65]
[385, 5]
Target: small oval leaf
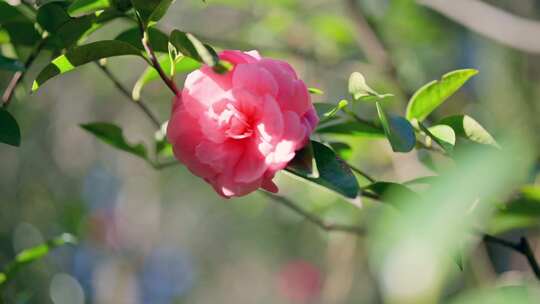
[114, 136]
[398, 130]
[10, 132]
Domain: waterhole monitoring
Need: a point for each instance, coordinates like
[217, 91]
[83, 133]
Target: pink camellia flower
[236, 130]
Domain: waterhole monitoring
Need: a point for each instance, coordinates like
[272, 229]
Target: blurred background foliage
[149, 236]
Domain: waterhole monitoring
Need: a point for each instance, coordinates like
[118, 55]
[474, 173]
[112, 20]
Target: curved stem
[140, 103]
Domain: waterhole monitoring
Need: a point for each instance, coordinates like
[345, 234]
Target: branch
[19, 76]
[522, 247]
[494, 23]
[368, 40]
[313, 218]
[153, 58]
[140, 103]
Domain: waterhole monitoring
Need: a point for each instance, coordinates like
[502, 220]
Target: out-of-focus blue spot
[167, 274]
[85, 261]
[100, 188]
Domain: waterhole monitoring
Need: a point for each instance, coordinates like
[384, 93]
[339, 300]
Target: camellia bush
[240, 119]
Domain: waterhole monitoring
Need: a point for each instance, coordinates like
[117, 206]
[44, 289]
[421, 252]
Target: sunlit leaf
[343, 150]
[84, 54]
[315, 91]
[183, 65]
[443, 135]
[359, 89]
[433, 94]
[114, 136]
[190, 46]
[398, 130]
[9, 129]
[79, 7]
[30, 255]
[334, 173]
[500, 295]
[468, 128]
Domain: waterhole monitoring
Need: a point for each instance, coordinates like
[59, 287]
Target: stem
[362, 173]
[19, 76]
[153, 58]
[313, 218]
[522, 247]
[140, 103]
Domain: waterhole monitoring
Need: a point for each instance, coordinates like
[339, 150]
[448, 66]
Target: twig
[19, 76]
[522, 247]
[140, 103]
[153, 58]
[368, 40]
[362, 173]
[313, 218]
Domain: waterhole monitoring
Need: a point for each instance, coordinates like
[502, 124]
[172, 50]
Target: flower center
[235, 123]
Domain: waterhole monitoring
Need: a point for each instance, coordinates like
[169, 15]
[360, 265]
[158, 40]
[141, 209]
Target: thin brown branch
[326, 226]
[19, 76]
[139, 103]
[368, 41]
[522, 247]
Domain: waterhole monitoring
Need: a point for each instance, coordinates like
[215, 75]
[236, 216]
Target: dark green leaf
[390, 192]
[9, 129]
[81, 7]
[9, 13]
[433, 94]
[521, 212]
[183, 65]
[82, 55]
[114, 136]
[190, 46]
[9, 64]
[22, 33]
[151, 11]
[334, 173]
[352, 128]
[303, 162]
[158, 40]
[468, 128]
[398, 130]
[52, 16]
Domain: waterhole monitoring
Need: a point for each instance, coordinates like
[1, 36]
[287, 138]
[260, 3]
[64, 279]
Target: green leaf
[30, 255]
[9, 129]
[467, 127]
[433, 94]
[158, 40]
[52, 16]
[183, 65]
[18, 26]
[9, 64]
[521, 212]
[353, 128]
[443, 135]
[392, 192]
[9, 13]
[114, 136]
[322, 108]
[81, 55]
[151, 11]
[190, 46]
[359, 89]
[499, 295]
[315, 91]
[334, 173]
[398, 130]
[304, 163]
[81, 7]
